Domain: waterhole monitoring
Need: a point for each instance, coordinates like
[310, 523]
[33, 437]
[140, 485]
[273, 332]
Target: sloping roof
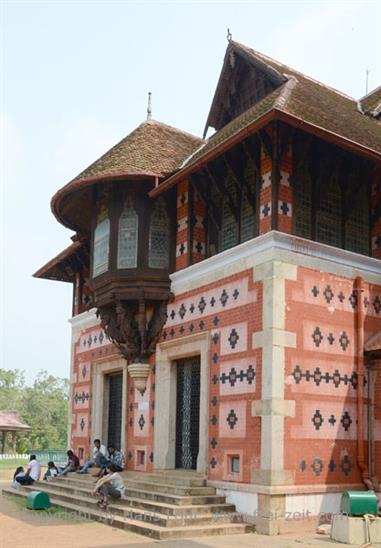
[152, 147]
[10, 421]
[55, 268]
[371, 103]
[301, 101]
[152, 150]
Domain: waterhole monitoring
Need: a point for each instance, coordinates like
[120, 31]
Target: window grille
[247, 219]
[302, 204]
[128, 236]
[101, 244]
[159, 237]
[229, 236]
[357, 225]
[328, 216]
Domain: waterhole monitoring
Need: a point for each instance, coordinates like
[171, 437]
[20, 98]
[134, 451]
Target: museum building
[227, 292]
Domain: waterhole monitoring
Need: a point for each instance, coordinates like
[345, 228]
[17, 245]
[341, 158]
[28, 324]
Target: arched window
[101, 246]
[357, 224]
[128, 236]
[159, 237]
[328, 216]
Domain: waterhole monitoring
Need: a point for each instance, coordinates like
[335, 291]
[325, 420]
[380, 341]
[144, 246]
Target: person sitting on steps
[115, 458]
[71, 466]
[52, 471]
[110, 485]
[98, 448]
[32, 474]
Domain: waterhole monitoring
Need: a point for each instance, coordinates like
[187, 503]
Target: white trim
[85, 319]
[298, 247]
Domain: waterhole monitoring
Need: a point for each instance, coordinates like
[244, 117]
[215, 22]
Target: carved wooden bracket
[127, 326]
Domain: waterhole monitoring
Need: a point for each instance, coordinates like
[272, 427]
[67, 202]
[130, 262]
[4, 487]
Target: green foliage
[44, 406]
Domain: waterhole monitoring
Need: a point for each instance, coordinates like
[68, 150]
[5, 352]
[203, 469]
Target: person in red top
[71, 466]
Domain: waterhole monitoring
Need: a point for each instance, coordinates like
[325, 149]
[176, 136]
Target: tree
[44, 406]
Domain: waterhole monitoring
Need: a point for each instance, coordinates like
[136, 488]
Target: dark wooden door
[115, 409]
[188, 413]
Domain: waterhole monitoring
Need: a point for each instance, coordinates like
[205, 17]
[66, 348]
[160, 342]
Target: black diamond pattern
[233, 338]
[344, 340]
[303, 465]
[341, 296]
[202, 305]
[331, 465]
[332, 420]
[346, 465]
[141, 422]
[328, 294]
[182, 311]
[317, 337]
[346, 421]
[215, 338]
[214, 420]
[353, 299]
[331, 338]
[315, 293]
[317, 419]
[213, 462]
[317, 466]
[214, 401]
[213, 443]
[235, 294]
[215, 357]
[212, 302]
[224, 298]
[232, 419]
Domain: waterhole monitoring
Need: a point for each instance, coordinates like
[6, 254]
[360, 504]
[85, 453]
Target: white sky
[76, 81]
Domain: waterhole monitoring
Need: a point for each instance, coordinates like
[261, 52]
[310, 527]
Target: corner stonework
[273, 408]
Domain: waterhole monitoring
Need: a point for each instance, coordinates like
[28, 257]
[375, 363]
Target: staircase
[161, 505]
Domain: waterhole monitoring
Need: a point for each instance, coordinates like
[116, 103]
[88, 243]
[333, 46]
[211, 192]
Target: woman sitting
[110, 485]
[52, 470]
[19, 473]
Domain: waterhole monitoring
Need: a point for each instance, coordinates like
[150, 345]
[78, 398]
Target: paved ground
[20, 528]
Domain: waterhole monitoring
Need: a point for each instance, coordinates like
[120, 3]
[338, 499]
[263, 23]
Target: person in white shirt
[33, 472]
[110, 485]
[98, 449]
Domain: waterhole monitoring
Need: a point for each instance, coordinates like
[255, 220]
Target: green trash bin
[38, 500]
[359, 503]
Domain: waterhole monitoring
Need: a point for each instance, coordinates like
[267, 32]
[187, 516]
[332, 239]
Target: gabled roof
[300, 101]
[10, 422]
[152, 150]
[371, 103]
[58, 268]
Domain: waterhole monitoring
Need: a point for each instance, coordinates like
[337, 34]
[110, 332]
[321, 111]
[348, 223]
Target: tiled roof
[9, 421]
[308, 100]
[152, 150]
[152, 147]
[371, 103]
[374, 343]
[54, 269]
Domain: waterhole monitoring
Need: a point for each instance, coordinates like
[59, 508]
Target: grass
[53, 512]
[12, 464]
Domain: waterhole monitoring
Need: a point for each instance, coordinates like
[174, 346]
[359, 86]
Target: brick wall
[320, 442]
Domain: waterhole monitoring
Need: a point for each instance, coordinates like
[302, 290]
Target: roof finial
[149, 107]
[229, 35]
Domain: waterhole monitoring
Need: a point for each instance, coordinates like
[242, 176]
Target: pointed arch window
[158, 254]
[128, 236]
[101, 247]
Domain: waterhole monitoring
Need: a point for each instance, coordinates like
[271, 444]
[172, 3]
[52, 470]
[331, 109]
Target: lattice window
[128, 236]
[302, 204]
[229, 236]
[159, 237]
[101, 247]
[247, 219]
[357, 225]
[328, 216]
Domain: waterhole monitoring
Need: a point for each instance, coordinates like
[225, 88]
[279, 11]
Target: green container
[38, 500]
[359, 503]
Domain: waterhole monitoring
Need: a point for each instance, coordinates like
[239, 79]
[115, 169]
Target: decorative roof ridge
[152, 122]
[296, 72]
[286, 93]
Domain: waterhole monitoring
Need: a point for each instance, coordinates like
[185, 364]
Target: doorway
[188, 413]
[114, 430]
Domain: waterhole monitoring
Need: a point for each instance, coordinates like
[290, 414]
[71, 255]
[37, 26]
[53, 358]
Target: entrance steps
[162, 505]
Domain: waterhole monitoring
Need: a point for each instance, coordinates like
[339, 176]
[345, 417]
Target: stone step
[150, 530]
[122, 508]
[169, 477]
[59, 487]
[130, 492]
[147, 485]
